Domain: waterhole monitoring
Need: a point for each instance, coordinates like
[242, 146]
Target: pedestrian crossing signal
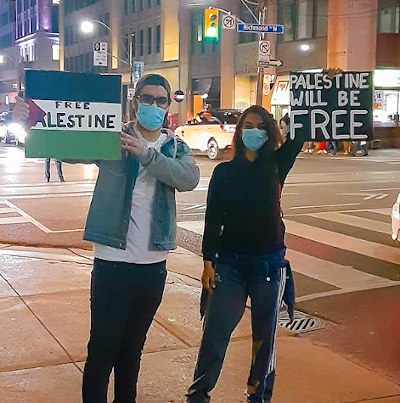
[211, 20]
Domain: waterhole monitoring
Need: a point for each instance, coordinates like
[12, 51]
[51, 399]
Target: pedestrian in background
[331, 147]
[132, 224]
[359, 146]
[58, 168]
[284, 125]
[244, 253]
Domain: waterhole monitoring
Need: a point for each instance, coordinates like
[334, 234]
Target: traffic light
[211, 19]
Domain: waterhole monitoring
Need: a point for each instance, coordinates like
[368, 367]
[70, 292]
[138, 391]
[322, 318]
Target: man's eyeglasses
[146, 99]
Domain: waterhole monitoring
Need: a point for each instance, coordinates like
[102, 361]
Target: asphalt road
[337, 214]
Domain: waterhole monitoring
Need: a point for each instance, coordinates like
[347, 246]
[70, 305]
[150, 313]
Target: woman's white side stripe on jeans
[272, 362]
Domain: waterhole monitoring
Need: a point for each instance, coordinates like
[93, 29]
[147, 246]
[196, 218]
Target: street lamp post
[87, 27]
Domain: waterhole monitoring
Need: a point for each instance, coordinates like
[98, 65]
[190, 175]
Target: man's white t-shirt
[141, 218]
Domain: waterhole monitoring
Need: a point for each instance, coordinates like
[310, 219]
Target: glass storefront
[387, 97]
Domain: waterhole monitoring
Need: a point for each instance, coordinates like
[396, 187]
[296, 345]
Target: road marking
[344, 242]
[343, 277]
[195, 207]
[324, 205]
[354, 221]
[346, 278]
[368, 196]
[26, 218]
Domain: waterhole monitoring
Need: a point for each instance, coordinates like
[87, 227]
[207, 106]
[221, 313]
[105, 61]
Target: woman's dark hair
[153, 79]
[274, 136]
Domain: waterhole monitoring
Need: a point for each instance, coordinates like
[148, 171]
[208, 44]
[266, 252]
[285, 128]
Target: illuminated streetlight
[87, 27]
[305, 47]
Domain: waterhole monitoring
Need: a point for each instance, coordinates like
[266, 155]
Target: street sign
[267, 84]
[229, 21]
[264, 50]
[130, 94]
[100, 57]
[137, 71]
[260, 28]
[275, 63]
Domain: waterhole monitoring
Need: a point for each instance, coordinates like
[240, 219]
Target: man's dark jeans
[237, 277]
[124, 298]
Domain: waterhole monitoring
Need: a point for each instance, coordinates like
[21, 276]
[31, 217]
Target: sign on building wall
[73, 115]
[337, 108]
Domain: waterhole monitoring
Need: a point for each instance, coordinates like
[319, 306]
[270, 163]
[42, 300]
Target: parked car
[396, 220]
[210, 131]
[11, 132]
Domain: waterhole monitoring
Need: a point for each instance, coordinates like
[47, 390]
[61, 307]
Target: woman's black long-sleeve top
[243, 213]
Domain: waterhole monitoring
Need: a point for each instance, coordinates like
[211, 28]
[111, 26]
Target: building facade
[139, 30]
[9, 57]
[32, 40]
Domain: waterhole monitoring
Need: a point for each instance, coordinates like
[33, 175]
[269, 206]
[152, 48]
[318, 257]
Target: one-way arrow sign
[275, 63]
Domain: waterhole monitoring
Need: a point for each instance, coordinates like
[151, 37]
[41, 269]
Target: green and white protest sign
[334, 108]
[73, 115]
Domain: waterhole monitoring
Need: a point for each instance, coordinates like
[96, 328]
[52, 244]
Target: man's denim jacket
[109, 214]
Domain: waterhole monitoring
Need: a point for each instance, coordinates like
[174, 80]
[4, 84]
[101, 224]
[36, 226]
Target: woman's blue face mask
[254, 138]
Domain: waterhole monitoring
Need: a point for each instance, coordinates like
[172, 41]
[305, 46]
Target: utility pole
[262, 10]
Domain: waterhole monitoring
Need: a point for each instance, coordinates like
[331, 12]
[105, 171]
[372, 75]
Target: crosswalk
[346, 263]
[12, 214]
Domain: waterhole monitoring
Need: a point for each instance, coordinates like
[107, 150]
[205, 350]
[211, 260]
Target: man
[132, 224]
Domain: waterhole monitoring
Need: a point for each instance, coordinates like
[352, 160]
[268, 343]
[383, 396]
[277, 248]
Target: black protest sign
[335, 108]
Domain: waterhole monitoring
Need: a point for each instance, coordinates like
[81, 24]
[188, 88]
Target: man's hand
[133, 144]
[21, 111]
[208, 276]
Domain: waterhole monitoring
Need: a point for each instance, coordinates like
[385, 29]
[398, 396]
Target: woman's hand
[208, 276]
[21, 111]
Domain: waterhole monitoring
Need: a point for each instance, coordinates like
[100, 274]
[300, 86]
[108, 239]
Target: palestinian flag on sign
[73, 115]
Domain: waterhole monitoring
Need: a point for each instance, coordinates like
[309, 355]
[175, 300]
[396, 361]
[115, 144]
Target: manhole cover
[302, 323]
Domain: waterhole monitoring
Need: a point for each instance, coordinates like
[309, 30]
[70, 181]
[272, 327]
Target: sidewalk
[44, 320]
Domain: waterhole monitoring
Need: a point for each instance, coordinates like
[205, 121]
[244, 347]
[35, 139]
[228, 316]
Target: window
[158, 2]
[322, 18]
[245, 15]
[149, 40]
[133, 6]
[56, 51]
[141, 42]
[388, 17]
[140, 5]
[126, 7]
[158, 39]
[305, 19]
[286, 18]
[149, 3]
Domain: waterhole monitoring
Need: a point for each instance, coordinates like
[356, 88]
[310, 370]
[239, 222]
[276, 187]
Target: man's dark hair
[153, 79]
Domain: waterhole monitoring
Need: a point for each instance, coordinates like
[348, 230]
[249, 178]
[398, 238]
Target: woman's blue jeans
[262, 278]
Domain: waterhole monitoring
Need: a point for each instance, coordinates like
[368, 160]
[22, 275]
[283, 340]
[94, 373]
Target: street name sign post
[73, 116]
[100, 56]
[260, 28]
[337, 108]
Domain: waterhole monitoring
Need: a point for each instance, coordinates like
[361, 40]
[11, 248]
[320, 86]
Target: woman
[132, 224]
[243, 253]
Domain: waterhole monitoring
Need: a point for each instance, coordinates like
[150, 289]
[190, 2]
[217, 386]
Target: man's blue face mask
[150, 117]
[254, 139]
